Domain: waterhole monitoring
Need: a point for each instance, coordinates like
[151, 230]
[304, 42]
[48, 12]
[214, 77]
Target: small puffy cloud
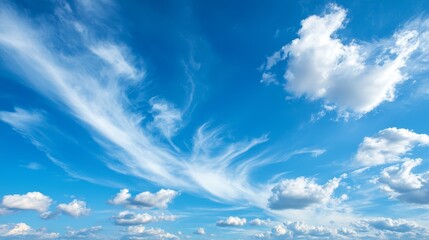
[200, 231]
[121, 198]
[231, 221]
[160, 199]
[29, 201]
[260, 222]
[19, 229]
[355, 77]
[140, 232]
[300, 229]
[128, 218]
[389, 145]
[279, 230]
[300, 193]
[133, 230]
[75, 208]
[399, 182]
[22, 230]
[84, 233]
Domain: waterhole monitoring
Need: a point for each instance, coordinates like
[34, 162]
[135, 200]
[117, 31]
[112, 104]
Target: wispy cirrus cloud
[87, 81]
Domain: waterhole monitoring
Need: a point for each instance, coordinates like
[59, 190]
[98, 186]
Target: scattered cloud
[231, 221]
[23, 231]
[75, 208]
[149, 233]
[84, 233]
[166, 118]
[128, 218]
[400, 183]
[22, 120]
[301, 192]
[133, 230]
[118, 59]
[260, 222]
[160, 199]
[355, 77]
[383, 224]
[29, 201]
[200, 231]
[121, 198]
[389, 145]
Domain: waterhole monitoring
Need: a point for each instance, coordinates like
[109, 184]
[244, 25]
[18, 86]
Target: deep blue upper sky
[214, 119]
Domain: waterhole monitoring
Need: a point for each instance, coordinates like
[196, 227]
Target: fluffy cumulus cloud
[30, 201]
[387, 228]
[395, 225]
[75, 208]
[128, 218]
[399, 182]
[389, 145]
[160, 199]
[355, 77]
[260, 222]
[146, 199]
[301, 192]
[23, 231]
[200, 231]
[300, 230]
[121, 198]
[231, 221]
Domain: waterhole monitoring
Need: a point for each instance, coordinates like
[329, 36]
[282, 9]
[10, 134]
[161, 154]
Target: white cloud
[160, 199]
[128, 218]
[399, 182]
[121, 198]
[301, 192]
[84, 233]
[149, 233]
[133, 230]
[146, 199]
[75, 208]
[166, 118]
[200, 231]
[300, 229]
[77, 80]
[355, 77]
[389, 145]
[260, 222]
[21, 119]
[29, 201]
[279, 230]
[231, 221]
[19, 229]
[388, 224]
[22, 230]
[118, 59]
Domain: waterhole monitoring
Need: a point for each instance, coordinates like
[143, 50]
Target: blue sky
[214, 119]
